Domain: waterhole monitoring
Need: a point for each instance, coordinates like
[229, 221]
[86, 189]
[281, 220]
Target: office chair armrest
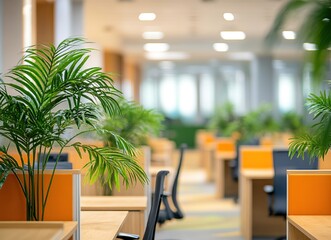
[268, 189]
[127, 236]
[167, 208]
[232, 164]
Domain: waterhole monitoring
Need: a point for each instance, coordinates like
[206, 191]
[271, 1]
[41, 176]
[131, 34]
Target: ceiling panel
[188, 25]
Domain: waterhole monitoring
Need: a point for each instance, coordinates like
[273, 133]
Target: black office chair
[277, 194]
[235, 163]
[154, 212]
[63, 162]
[53, 156]
[167, 213]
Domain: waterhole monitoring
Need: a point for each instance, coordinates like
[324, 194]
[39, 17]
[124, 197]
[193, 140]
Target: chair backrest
[235, 173]
[178, 213]
[283, 162]
[154, 212]
[53, 156]
[62, 163]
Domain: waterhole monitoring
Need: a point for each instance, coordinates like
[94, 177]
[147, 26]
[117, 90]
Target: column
[12, 33]
[263, 87]
[63, 23]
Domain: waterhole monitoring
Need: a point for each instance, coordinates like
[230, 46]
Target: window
[207, 94]
[187, 96]
[286, 92]
[168, 95]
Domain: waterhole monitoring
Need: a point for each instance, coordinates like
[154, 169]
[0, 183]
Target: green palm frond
[134, 123]
[111, 163]
[314, 29]
[319, 105]
[49, 93]
[318, 141]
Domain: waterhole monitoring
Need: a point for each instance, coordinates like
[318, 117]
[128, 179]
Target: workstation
[81, 79]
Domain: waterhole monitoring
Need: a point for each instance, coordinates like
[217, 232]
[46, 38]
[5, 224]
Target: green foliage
[317, 141]
[133, 123]
[314, 29]
[257, 123]
[292, 122]
[253, 124]
[47, 94]
[224, 120]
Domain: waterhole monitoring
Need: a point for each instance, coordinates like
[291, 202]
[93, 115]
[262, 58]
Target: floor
[206, 218]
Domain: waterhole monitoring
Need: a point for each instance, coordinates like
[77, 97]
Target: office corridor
[206, 218]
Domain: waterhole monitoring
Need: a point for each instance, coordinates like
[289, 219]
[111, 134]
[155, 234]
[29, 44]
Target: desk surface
[225, 155]
[21, 230]
[258, 173]
[113, 203]
[314, 227]
[101, 225]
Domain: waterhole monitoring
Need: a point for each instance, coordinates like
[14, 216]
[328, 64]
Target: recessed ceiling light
[221, 47]
[289, 35]
[153, 35]
[156, 47]
[228, 16]
[147, 16]
[309, 46]
[233, 35]
[166, 55]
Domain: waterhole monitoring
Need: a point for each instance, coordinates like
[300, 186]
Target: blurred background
[185, 59]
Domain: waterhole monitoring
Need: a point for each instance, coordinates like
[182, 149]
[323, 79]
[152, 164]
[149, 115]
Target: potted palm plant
[315, 29]
[134, 123]
[49, 93]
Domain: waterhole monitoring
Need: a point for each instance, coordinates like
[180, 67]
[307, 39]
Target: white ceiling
[189, 26]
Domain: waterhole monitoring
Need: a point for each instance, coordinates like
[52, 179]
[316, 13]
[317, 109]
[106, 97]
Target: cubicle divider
[63, 202]
[255, 158]
[256, 170]
[308, 204]
[225, 151]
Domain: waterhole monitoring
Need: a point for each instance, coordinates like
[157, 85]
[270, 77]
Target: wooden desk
[255, 220]
[207, 155]
[135, 205]
[22, 230]
[100, 225]
[309, 227]
[225, 185]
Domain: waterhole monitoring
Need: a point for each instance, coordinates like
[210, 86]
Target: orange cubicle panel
[309, 192]
[225, 145]
[62, 203]
[256, 157]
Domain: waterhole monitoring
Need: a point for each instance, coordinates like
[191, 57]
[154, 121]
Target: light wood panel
[101, 225]
[309, 227]
[112, 203]
[224, 183]
[36, 230]
[255, 220]
[136, 205]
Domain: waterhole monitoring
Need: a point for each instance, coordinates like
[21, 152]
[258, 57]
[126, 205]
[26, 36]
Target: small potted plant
[135, 124]
[48, 94]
